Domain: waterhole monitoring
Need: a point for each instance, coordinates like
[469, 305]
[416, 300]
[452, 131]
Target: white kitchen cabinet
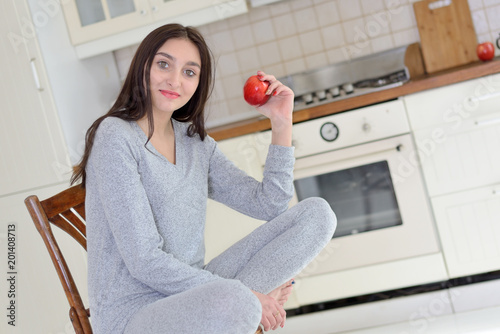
[454, 104]
[33, 149]
[460, 158]
[33, 160]
[469, 226]
[457, 132]
[98, 26]
[88, 20]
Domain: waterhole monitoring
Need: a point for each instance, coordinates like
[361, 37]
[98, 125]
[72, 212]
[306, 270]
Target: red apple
[485, 51]
[255, 90]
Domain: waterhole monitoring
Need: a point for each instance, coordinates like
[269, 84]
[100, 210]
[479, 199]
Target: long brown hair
[134, 102]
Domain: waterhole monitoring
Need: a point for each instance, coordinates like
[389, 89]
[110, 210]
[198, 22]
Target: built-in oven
[364, 163]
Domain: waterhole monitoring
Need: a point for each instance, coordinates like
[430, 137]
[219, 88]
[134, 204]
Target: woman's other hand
[273, 314]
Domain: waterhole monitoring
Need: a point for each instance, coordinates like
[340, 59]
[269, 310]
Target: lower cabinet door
[469, 229]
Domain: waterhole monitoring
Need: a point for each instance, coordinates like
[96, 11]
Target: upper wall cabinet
[98, 26]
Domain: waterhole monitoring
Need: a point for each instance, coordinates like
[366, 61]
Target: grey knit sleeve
[261, 200]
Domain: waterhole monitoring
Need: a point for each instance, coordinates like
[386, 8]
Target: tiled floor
[467, 309]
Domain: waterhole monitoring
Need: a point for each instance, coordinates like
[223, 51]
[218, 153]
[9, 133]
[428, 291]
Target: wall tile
[233, 86]
[336, 56]
[406, 37]
[354, 32]
[382, 43]
[333, 36]
[218, 92]
[263, 31]
[327, 13]
[311, 42]
[243, 37]
[290, 48]
[372, 6]
[316, 60]
[238, 21]
[248, 59]
[280, 8]
[403, 19]
[480, 21]
[238, 106]
[349, 9]
[475, 4]
[222, 42]
[493, 14]
[259, 14]
[228, 65]
[491, 2]
[216, 111]
[305, 19]
[284, 25]
[295, 66]
[278, 70]
[300, 4]
[269, 54]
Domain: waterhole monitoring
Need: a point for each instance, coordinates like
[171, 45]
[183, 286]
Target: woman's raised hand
[278, 109]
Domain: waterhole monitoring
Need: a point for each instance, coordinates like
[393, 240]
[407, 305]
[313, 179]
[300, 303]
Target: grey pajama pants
[262, 261]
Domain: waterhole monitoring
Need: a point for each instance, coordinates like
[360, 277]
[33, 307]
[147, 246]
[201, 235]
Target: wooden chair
[66, 210]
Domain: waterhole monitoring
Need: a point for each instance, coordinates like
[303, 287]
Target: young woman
[148, 169]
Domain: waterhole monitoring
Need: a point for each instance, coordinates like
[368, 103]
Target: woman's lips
[169, 94]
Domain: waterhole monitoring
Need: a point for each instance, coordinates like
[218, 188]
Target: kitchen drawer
[455, 159]
[454, 104]
[469, 228]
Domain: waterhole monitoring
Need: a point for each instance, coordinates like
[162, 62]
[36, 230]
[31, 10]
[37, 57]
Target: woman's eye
[162, 64]
[190, 73]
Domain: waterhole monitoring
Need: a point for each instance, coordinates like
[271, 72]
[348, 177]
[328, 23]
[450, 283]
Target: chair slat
[80, 208]
[70, 229]
[63, 201]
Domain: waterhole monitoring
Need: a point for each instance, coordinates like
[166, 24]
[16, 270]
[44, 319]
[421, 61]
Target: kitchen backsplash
[296, 35]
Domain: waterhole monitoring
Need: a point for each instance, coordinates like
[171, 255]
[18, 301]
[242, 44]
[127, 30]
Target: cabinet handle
[144, 12]
[488, 121]
[496, 191]
[484, 97]
[35, 75]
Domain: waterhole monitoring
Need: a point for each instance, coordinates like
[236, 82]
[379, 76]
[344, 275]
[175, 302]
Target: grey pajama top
[146, 216]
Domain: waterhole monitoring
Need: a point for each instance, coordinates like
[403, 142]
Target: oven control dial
[329, 131]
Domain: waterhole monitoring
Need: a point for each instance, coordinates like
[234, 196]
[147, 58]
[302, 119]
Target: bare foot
[281, 293]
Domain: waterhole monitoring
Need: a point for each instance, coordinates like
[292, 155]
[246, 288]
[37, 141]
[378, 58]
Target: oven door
[377, 193]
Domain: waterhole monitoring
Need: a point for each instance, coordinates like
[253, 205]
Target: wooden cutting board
[447, 34]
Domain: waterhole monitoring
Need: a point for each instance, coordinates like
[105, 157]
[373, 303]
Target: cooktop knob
[308, 98]
[335, 91]
[348, 88]
[321, 95]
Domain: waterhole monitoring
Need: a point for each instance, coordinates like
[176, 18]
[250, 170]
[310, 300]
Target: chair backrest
[66, 210]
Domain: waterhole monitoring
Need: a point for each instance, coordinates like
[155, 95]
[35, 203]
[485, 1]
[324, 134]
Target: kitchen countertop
[425, 82]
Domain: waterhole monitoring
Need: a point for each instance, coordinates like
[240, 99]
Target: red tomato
[255, 90]
[485, 51]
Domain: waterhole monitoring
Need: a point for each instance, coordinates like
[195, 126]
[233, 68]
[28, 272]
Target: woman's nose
[173, 79]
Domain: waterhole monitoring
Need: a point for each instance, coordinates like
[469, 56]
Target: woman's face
[175, 74]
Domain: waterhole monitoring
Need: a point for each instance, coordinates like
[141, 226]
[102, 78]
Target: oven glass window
[362, 197]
